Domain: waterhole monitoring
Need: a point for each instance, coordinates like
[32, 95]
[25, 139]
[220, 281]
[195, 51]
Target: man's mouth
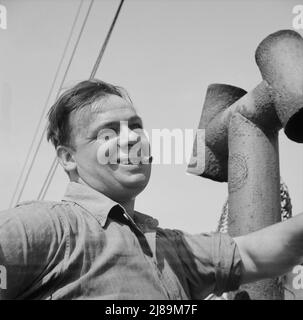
[134, 162]
[126, 162]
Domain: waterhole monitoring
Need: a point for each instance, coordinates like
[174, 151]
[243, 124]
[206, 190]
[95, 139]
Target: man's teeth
[124, 161]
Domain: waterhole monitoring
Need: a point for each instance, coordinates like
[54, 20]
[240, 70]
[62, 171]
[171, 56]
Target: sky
[165, 53]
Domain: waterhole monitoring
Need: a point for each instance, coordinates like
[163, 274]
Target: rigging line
[48, 179]
[100, 55]
[55, 162]
[60, 88]
[46, 104]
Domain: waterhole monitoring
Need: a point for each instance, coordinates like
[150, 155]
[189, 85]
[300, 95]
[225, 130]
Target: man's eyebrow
[135, 118]
[104, 124]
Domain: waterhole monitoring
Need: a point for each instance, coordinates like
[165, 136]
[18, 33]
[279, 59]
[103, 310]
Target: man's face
[110, 129]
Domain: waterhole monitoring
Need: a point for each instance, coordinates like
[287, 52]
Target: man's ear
[66, 158]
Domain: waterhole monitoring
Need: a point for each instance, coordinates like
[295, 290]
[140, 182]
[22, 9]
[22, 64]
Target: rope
[48, 179]
[286, 213]
[43, 111]
[100, 55]
[286, 209]
[55, 162]
[60, 88]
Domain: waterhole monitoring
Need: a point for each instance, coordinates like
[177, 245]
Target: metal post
[254, 188]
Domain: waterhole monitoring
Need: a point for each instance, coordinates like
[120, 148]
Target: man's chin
[129, 190]
[132, 175]
[135, 181]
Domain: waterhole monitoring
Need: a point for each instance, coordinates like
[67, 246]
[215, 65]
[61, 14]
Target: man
[94, 245]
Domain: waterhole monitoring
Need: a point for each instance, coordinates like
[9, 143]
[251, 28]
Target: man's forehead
[109, 103]
[105, 107]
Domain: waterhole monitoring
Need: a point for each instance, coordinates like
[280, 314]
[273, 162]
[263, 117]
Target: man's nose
[128, 136]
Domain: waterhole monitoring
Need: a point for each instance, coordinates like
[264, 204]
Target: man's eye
[107, 133]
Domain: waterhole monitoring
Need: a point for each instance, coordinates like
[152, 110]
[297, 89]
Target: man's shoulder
[41, 206]
[33, 209]
[150, 223]
[38, 203]
[40, 220]
[145, 221]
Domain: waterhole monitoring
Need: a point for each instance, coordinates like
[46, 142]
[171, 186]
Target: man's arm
[271, 251]
[28, 242]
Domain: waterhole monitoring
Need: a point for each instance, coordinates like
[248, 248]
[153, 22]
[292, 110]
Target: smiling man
[110, 125]
[94, 245]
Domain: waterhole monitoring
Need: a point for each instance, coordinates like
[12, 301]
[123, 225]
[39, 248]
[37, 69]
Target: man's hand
[272, 251]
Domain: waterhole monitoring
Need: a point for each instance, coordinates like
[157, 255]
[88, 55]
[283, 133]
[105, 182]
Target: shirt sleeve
[211, 262]
[29, 241]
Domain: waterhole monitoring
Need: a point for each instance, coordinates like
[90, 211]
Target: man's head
[95, 119]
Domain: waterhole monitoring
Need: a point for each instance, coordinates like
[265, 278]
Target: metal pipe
[254, 189]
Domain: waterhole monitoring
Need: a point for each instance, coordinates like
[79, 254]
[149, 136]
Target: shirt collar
[100, 205]
[91, 200]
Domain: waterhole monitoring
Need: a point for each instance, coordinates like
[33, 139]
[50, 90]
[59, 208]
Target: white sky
[165, 53]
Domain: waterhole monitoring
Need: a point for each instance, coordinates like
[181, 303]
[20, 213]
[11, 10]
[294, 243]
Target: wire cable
[60, 88]
[101, 53]
[46, 104]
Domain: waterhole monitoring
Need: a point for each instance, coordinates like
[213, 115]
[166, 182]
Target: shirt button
[152, 223]
[141, 225]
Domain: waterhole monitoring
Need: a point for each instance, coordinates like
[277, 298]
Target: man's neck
[127, 205]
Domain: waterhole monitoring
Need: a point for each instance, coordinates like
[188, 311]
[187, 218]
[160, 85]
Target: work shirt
[88, 247]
